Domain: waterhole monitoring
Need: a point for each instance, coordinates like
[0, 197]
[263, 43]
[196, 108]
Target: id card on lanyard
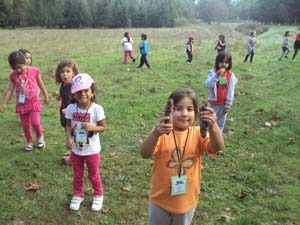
[23, 81]
[179, 182]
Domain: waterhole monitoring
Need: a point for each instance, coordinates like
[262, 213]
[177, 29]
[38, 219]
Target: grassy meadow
[254, 181]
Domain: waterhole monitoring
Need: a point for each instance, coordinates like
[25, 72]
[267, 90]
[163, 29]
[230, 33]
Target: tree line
[141, 13]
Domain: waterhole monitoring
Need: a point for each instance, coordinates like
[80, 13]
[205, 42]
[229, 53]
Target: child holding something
[27, 81]
[85, 120]
[65, 71]
[221, 45]
[177, 149]
[220, 83]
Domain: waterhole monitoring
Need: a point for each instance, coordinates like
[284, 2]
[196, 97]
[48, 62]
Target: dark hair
[186, 92]
[24, 51]
[286, 33]
[16, 57]
[144, 36]
[93, 99]
[61, 65]
[221, 57]
[126, 34]
[222, 37]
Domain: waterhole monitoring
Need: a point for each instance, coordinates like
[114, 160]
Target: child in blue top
[144, 50]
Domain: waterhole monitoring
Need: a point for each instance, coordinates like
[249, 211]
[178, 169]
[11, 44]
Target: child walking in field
[296, 46]
[144, 50]
[220, 83]
[26, 81]
[190, 49]
[221, 45]
[250, 46]
[285, 45]
[127, 43]
[65, 71]
[176, 147]
[28, 56]
[85, 120]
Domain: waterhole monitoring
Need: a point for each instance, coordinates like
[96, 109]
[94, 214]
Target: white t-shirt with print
[79, 116]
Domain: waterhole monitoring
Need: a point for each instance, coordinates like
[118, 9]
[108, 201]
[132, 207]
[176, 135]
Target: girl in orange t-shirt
[176, 147]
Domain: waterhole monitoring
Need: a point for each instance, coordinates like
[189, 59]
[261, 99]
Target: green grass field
[256, 179]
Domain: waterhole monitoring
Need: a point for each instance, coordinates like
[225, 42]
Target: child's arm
[43, 89]
[211, 80]
[56, 95]
[69, 138]
[230, 93]
[100, 127]
[216, 137]
[9, 93]
[149, 143]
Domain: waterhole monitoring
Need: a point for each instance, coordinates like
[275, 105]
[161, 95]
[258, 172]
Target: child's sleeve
[230, 93]
[100, 113]
[211, 79]
[68, 115]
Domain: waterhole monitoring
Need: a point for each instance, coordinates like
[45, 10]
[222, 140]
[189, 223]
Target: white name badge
[22, 98]
[179, 185]
[81, 136]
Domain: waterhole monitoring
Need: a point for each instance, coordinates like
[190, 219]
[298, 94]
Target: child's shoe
[41, 143]
[75, 202]
[28, 147]
[133, 60]
[97, 203]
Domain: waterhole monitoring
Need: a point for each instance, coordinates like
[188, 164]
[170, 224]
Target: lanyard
[85, 113]
[180, 159]
[23, 82]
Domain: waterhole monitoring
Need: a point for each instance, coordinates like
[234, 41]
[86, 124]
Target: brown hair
[186, 92]
[61, 65]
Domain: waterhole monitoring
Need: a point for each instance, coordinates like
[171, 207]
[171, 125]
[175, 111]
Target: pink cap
[191, 36]
[81, 82]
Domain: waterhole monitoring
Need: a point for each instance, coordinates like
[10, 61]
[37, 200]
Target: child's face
[20, 68]
[28, 58]
[224, 64]
[66, 75]
[84, 97]
[183, 114]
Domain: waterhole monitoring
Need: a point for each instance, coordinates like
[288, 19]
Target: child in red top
[220, 83]
[296, 46]
[26, 81]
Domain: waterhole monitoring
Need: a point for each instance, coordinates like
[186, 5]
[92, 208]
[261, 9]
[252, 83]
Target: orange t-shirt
[166, 165]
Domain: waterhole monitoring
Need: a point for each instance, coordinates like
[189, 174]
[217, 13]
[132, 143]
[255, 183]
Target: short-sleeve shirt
[27, 84]
[79, 116]
[166, 165]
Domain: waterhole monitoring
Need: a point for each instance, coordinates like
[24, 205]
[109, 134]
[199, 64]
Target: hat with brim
[81, 82]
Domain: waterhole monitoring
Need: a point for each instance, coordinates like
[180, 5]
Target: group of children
[175, 144]
[285, 46]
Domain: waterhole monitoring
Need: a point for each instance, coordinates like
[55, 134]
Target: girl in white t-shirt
[127, 43]
[85, 120]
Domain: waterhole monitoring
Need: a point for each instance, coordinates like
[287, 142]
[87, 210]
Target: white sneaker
[41, 143]
[75, 202]
[97, 203]
[28, 147]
